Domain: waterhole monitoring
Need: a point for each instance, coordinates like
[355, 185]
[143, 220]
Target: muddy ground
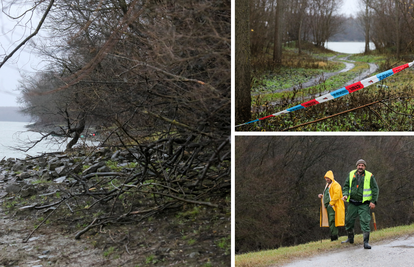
[192, 236]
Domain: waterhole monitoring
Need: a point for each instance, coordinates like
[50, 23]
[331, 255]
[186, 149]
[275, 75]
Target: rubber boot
[350, 239]
[333, 238]
[366, 240]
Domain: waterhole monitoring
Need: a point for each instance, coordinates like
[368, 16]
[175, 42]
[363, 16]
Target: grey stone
[115, 155]
[28, 191]
[47, 175]
[194, 254]
[59, 170]
[60, 179]
[53, 165]
[18, 166]
[13, 188]
[23, 175]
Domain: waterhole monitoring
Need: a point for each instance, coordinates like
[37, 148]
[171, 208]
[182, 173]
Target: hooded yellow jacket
[335, 196]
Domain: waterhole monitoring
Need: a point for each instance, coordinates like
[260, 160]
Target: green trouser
[331, 220]
[364, 217]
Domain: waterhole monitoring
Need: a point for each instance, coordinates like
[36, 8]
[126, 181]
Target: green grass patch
[284, 255]
[394, 113]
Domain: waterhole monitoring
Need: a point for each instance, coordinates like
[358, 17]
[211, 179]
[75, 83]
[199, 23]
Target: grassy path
[285, 255]
[321, 83]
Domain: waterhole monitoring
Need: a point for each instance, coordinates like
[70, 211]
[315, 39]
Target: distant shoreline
[13, 114]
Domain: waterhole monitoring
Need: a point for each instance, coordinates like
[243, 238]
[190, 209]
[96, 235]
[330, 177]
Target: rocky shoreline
[79, 195]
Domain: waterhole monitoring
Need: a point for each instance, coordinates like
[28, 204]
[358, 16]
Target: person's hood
[330, 175]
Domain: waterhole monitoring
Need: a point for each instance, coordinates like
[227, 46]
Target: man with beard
[333, 207]
[361, 192]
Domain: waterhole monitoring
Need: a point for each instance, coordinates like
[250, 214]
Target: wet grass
[285, 255]
[325, 85]
[394, 113]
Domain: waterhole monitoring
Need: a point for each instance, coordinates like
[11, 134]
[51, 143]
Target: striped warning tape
[338, 93]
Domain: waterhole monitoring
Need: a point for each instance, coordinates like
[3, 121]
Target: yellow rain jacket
[335, 196]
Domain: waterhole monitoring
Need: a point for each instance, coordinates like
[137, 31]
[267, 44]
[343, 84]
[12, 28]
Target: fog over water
[348, 47]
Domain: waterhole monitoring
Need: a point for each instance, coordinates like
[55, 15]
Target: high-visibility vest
[367, 193]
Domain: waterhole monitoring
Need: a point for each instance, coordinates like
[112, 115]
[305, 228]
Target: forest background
[278, 179]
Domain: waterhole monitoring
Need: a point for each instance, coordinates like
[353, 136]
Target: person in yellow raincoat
[332, 206]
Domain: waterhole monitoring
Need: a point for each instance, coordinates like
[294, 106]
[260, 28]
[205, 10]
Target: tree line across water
[278, 179]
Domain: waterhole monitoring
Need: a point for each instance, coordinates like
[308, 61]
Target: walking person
[332, 206]
[361, 192]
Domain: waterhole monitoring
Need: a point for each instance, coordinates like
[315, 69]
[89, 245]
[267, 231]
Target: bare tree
[144, 58]
[279, 28]
[365, 20]
[243, 80]
[324, 20]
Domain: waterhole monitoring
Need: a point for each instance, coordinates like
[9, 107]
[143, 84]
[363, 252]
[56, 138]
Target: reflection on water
[348, 47]
[15, 134]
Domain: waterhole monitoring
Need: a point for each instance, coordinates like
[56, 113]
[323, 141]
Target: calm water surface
[348, 47]
[15, 134]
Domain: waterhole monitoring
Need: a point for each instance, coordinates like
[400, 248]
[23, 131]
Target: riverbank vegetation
[130, 206]
[153, 78]
[279, 89]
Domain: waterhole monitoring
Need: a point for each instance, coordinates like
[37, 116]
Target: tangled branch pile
[128, 185]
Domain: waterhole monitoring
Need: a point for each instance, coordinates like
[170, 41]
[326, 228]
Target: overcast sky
[350, 7]
[25, 62]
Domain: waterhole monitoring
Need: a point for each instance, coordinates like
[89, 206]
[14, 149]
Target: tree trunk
[300, 36]
[242, 60]
[277, 49]
[397, 25]
[367, 27]
[78, 131]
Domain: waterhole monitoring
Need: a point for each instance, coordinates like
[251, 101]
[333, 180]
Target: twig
[176, 123]
[337, 114]
[126, 247]
[184, 200]
[381, 118]
[7, 57]
[47, 217]
[69, 207]
[78, 235]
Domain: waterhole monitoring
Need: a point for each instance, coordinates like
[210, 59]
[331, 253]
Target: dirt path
[48, 246]
[320, 78]
[396, 252]
[192, 236]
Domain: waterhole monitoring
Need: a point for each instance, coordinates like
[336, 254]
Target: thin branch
[176, 123]
[47, 217]
[7, 57]
[337, 114]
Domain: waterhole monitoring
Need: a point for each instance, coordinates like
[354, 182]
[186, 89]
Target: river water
[15, 134]
[348, 47]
